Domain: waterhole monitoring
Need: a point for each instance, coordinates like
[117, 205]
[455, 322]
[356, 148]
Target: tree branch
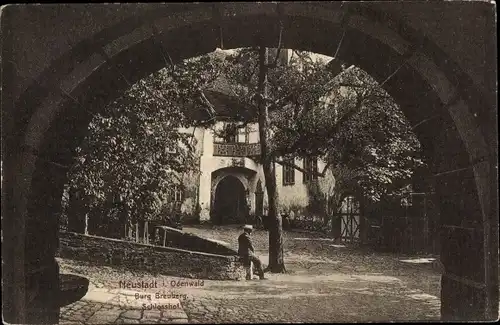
[284, 128]
[209, 107]
[279, 101]
[179, 179]
[303, 58]
[191, 142]
[293, 93]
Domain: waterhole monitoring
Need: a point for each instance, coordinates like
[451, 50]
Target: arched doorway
[230, 204]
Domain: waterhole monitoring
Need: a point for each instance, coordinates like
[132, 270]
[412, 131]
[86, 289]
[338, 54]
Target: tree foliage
[134, 151]
[340, 114]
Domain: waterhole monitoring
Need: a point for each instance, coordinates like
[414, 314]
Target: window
[247, 134]
[252, 133]
[289, 173]
[311, 167]
[232, 137]
[242, 135]
[175, 194]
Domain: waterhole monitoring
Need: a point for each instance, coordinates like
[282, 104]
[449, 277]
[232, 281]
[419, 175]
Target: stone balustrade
[236, 149]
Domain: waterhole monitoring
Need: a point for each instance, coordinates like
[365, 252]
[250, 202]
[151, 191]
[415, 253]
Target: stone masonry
[153, 259]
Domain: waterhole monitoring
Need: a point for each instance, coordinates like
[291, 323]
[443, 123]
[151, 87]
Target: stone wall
[153, 259]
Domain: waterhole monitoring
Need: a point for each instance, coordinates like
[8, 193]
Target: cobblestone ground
[324, 283]
[103, 305]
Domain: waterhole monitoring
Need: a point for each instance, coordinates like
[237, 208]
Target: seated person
[246, 251]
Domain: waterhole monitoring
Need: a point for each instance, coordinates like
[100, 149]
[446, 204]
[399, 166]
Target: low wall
[154, 259]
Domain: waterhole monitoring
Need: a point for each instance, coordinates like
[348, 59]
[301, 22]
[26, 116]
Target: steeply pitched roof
[222, 96]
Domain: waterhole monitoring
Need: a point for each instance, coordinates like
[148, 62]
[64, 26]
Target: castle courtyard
[325, 282]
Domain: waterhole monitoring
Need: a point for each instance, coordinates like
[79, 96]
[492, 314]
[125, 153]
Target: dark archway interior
[229, 202]
[463, 251]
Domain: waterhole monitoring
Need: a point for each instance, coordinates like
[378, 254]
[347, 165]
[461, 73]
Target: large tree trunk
[276, 259]
[276, 262]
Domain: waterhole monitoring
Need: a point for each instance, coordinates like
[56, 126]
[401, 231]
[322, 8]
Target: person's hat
[248, 227]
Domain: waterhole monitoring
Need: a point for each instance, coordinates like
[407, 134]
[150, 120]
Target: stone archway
[230, 202]
[58, 80]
